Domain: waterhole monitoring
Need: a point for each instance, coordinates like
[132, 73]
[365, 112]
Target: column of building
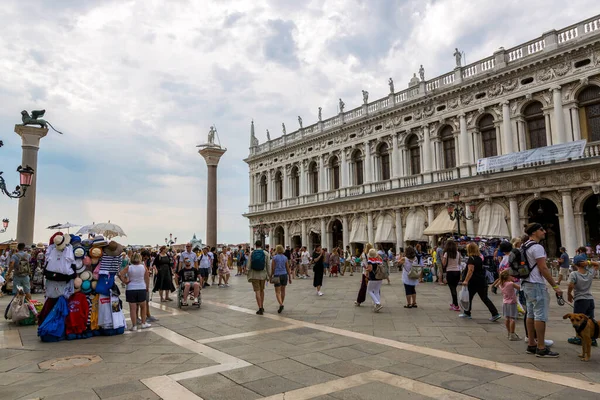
[515, 223]
[304, 234]
[464, 151]
[368, 163]
[370, 235]
[570, 242]
[399, 233]
[396, 159]
[344, 169]
[507, 128]
[559, 116]
[345, 231]
[324, 241]
[426, 150]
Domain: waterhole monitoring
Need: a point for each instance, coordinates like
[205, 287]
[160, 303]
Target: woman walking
[410, 284]
[164, 275]
[318, 268]
[374, 262]
[224, 268]
[334, 262]
[280, 275]
[476, 282]
[450, 265]
[364, 277]
[135, 277]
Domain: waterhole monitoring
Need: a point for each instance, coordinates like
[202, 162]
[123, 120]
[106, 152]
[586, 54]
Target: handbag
[274, 280]
[19, 309]
[415, 272]
[463, 298]
[105, 283]
[382, 272]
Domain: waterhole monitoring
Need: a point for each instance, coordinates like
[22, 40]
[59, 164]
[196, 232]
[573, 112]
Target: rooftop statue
[33, 119]
[422, 73]
[268, 136]
[211, 135]
[365, 96]
[283, 129]
[457, 56]
[342, 105]
[320, 114]
[414, 81]
[391, 83]
[300, 121]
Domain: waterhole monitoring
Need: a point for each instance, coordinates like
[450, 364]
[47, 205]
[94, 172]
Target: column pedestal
[30, 138]
[211, 155]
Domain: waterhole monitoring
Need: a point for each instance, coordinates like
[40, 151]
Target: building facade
[385, 171]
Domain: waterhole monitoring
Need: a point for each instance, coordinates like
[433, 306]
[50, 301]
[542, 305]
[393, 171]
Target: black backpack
[519, 266]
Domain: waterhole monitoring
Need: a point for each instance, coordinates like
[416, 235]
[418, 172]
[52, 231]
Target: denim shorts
[283, 280]
[537, 300]
[22, 281]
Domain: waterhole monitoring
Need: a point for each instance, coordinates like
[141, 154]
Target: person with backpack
[260, 269]
[21, 269]
[534, 273]
[374, 269]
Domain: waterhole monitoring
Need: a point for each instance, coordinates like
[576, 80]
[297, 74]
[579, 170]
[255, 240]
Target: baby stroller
[190, 295]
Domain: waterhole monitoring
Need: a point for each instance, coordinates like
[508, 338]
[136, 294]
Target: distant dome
[196, 242]
[414, 81]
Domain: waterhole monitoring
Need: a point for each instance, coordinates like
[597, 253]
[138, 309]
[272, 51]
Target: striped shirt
[110, 264]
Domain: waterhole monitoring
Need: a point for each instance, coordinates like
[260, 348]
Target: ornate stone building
[384, 172]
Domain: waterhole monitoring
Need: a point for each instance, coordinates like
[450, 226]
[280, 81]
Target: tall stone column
[304, 235]
[507, 129]
[344, 169]
[515, 222]
[396, 161]
[576, 126]
[322, 183]
[399, 235]
[463, 150]
[430, 218]
[426, 150]
[569, 222]
[286, 234]
[345, 232]
[324, 234]
[30, 139]
[370, 235]
[559, 116]
[470, 223]
[211, 155]
[368, 163]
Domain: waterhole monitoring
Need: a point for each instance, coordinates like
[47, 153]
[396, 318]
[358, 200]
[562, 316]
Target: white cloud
[135, 86]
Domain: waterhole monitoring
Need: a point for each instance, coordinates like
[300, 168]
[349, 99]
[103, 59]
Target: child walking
[507, 285]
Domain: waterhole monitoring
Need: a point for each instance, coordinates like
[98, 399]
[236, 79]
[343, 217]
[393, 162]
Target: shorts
[136, 296]
[283, 280]
[537, 300]
[564, 272]
[509, 310]
[410, 289]
[584, 306]
[258, 285]
[22, 281]
[215, 270]
[191, 284]
[204, 272]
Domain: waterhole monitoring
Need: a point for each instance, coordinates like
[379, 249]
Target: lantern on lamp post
[457, 211]
[25, 181]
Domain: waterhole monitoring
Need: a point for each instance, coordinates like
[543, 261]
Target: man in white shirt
[536, 293]
[305, 256]
[188, 253]
[205, 263]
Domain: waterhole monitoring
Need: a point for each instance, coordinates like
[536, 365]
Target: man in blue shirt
[564, 264]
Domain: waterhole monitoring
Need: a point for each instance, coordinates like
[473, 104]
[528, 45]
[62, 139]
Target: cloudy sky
[135, 86]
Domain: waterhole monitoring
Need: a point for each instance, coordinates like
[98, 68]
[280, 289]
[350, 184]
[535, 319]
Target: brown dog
[586, 329]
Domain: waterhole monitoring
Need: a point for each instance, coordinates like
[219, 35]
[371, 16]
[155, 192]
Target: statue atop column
[268, 136]
[253, 139]
[320, 114]
[458, 57]
[391, 83]
[211, 135]
[34, 119]
[365, 96]
[422, 72]
[300, 121]
[342, 105]
[283, 129]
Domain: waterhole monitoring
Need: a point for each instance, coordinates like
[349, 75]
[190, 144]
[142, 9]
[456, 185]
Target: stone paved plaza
[318, 348]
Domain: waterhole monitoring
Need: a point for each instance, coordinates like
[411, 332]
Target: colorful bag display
[105, 283]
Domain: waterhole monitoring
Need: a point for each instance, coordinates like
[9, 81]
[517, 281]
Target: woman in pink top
[450, 265]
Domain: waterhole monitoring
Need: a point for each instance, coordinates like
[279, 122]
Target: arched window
[278, 185]
[262, 189]
[536, 125]
[383, 155]
[357, 168]
[448, 147]
[414, 154]
[295, 181]
[334, 167]
[488, 136]
[589, 111]
[313, 171]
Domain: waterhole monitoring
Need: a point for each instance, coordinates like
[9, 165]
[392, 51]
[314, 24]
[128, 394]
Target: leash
[561, 301]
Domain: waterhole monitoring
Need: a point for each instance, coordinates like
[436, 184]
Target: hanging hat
[95, 252]
[79, 267]
[40, 245]
[113, 249]
[75, 239]
[86, 276]
[94, 283]
[61, 241]
[77, 283]
[87, 261]
[99, 241]
[86, 287]
[78, 252]
[87, 243]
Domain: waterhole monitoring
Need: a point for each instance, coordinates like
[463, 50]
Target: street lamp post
[5, 222]
[457, 211]
[261, 231]
[170, 241]
[25, 181]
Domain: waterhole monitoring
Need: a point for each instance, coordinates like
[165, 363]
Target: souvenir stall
[82, 299]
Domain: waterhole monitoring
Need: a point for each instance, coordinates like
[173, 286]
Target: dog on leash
[586, 329]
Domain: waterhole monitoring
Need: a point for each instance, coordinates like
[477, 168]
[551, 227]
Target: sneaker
[462, 315]
[146, 325]
[456, 308]
[207, 285]
[495, 318]
[548, 343]
[574, 340]
[546, 353]
[319, 293]
[151, 319]
[513, 337]
[280, 309]
[261, 311]
[531, 350]
[134, 328]
[378, 307]
[139, 321]
[357, 304]
[227, 285]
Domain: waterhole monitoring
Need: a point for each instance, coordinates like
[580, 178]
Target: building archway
[337, 234]
[315, 240]
[278, 236]
[296, 241]
[545, 212]
[591, 212]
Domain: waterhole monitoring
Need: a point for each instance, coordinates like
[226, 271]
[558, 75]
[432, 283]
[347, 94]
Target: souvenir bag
[53, 327]
[463, 298]
[415, 271]
[381, 273]
[104, 312]
[105, 284]
[19, 310]
[118, 318]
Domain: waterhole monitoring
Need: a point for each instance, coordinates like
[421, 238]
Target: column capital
[564, 192]
[462, 115]
[505, 103]
[556, 88]
[30, 136]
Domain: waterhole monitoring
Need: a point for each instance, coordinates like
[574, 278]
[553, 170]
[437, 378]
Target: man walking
[348, 262]
[21, 268]
[260, 269]
[205, 267]
[189, 254]
[536, 293]
[564, 264]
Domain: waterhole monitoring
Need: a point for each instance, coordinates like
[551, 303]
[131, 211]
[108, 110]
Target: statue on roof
[422, 72]
[414, 81]
[457, 56]
[268, 136]
[342, 105]
[365, 96]
[391, 83]
[283, 129]
[300, 121]
[320, 114]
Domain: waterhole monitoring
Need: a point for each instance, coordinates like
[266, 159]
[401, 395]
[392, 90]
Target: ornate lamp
[26, 178]
[456, 211]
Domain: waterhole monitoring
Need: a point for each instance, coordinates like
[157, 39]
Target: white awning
[441, 225]
[415, 224]
[358, 234]
[492, 222]
[385, 230]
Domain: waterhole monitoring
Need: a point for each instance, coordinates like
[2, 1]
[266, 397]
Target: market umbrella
[84, 230]
[66, 226]
[107, 229]
[55, 226]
